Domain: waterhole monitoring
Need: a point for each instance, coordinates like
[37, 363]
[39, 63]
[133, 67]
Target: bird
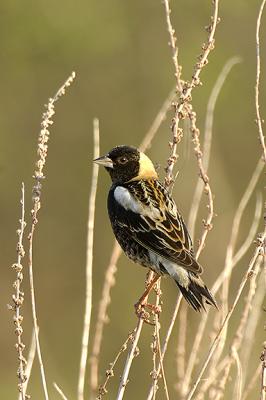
[148, 226]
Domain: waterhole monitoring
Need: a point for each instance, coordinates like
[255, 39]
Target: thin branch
[252, 382]
[181, 107]
[219, 281]
[160, 117]
[208, 139]
[131, 355]
[102, 318]
[258, 252]
[59, 391]
[18, 299]
[259, 120]
[181, 344]
[174, 48]
[90, 237]
[252, 323]
[30, 359]
[166, 341]
[110, 371]
[263, 373]
[36, 198]
[235, 227]
[239, 377]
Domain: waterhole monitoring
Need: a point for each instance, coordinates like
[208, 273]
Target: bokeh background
[124, 72]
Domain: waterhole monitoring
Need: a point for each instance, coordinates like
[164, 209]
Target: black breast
[121, 221]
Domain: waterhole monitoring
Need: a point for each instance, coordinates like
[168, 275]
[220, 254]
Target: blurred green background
[124, 72]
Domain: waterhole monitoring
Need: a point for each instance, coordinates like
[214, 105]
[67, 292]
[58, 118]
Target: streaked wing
[151, 218]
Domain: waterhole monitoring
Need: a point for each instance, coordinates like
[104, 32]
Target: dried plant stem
[205, 179]
[59, 391]
[252, 323]
[166, 341]
[102, 315]
[239, 380]
[181, 107]
[90, 237]
[208, 382]
[173, 46]
[36, 198]
[18, 299]
[157, 327]
[208, 139]
[219, 281]
[263, 373]
[259, 120]
[110, 372]
[181, 344]
[252, 382]
[230, 256]
[30, 359]
[257, 253]
[130, 357]
[160, 117]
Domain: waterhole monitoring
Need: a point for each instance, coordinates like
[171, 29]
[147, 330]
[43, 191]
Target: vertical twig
[263, 373]
[130, 357]
[252, 382]
[90, 237]
[173, 46]
[181, 107]
[159, 118]
[257, 253]
[166, 341]
[208, 139]
[257, 105]
[102, 315]
[30, 359]
[18, 299]
[36, 198]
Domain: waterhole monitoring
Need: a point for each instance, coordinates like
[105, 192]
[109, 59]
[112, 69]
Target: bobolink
[147, 224]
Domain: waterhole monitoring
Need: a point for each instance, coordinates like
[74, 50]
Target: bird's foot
[140, 309]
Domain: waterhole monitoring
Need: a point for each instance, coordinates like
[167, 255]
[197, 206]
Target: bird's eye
[122, 160]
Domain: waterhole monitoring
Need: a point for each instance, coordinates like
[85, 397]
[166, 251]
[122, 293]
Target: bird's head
[126, 163]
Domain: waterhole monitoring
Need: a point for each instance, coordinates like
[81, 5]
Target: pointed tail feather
[196, 293]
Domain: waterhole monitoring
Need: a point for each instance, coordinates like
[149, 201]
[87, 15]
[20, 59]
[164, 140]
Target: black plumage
[147, 224]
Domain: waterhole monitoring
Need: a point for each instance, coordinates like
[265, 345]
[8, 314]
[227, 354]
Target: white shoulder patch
[126, 200]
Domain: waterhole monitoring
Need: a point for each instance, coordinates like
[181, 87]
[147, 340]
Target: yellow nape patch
[146, 168]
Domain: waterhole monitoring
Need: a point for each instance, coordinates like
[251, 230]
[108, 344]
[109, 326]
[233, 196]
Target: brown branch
[89, 262]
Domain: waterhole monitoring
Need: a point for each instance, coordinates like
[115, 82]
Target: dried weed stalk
[36, 199]
[89, 263]
[18, 299]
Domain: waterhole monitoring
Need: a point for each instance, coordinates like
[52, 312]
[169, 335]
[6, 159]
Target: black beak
[105, 161]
